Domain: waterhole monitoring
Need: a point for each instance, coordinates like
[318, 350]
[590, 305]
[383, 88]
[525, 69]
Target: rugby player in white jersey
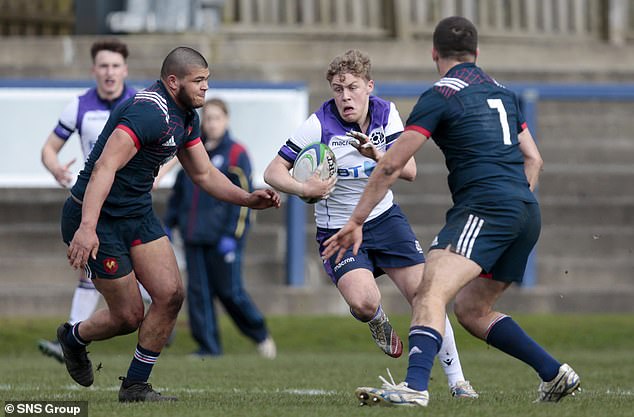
[359, 128]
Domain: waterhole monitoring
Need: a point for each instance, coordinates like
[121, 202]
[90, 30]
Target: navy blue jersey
[475, 122]
[159, 129]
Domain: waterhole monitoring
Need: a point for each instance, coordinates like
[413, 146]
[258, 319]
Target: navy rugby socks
[505, 334]
[73, 340]
[141, 365]
[424, 344]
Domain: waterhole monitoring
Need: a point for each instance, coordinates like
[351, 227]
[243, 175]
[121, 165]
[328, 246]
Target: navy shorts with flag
[498, 236]
[116, 237]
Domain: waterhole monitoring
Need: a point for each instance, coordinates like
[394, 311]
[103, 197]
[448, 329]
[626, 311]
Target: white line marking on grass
[618, 393]
[115, 388]
[309, 392]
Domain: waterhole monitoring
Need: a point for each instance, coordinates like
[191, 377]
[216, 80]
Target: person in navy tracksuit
[214, 234]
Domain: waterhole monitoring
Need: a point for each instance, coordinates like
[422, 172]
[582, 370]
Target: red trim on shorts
[126, 129]
[136, 242]
[487, 276]
[419, 129]
[193, 142]
[524, 126]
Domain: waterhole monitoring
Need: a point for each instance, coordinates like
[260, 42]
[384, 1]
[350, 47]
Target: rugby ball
[309, 159]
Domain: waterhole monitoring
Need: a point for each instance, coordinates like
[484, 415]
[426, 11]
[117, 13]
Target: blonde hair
[352, 62]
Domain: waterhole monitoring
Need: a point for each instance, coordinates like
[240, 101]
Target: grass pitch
[321, 360]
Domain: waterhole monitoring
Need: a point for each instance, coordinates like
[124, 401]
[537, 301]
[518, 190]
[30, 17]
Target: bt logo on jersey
[357, 171]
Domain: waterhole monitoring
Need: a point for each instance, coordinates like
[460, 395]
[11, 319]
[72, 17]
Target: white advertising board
[262, 118]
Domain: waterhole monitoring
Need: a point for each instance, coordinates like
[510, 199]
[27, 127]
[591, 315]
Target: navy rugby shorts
[498, 236]
[388, 242]
[116, 237]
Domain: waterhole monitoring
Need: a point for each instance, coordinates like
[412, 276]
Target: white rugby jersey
[87, 114]
[326, 126]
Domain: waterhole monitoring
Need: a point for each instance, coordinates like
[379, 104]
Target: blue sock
[424, 344]
[73, 340]
[506, 335]
[141, 365]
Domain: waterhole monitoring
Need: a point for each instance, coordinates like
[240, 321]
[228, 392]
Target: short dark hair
[352, 62]
[456, 37]
[180, 60]
[109, 44]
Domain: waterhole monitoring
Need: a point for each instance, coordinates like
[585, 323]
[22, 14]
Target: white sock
[448, 356]
[144, 294]
[84, 303]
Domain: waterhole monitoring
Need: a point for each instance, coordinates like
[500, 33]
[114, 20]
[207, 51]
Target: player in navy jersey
[112, 231]
[86, 114]
[359, 128]
[494, 165]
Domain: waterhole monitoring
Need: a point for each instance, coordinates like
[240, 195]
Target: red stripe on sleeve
[126, 129]
[193, 142]
[524, 126]
[419, 129]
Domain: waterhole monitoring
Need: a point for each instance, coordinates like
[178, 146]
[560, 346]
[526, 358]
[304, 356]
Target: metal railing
[571, 20]
[557, 19]
[368, 18]
[510, 18]
[36, 17]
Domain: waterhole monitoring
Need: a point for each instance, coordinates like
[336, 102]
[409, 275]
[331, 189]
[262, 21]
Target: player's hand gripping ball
[314, 156]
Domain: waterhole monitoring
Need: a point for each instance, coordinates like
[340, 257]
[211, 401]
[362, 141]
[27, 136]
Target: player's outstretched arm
[202, 172]
[262, 199]
[386, 172]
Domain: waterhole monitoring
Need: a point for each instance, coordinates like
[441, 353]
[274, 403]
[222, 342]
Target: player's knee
[170, 297]
[463, 309]
[175, 300]
[469, 312]
[130, 321]
[364, 309]
[460, 311]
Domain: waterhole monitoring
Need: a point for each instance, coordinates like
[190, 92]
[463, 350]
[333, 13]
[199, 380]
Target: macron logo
[170, 142]
[342, 263]
[414, 351]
